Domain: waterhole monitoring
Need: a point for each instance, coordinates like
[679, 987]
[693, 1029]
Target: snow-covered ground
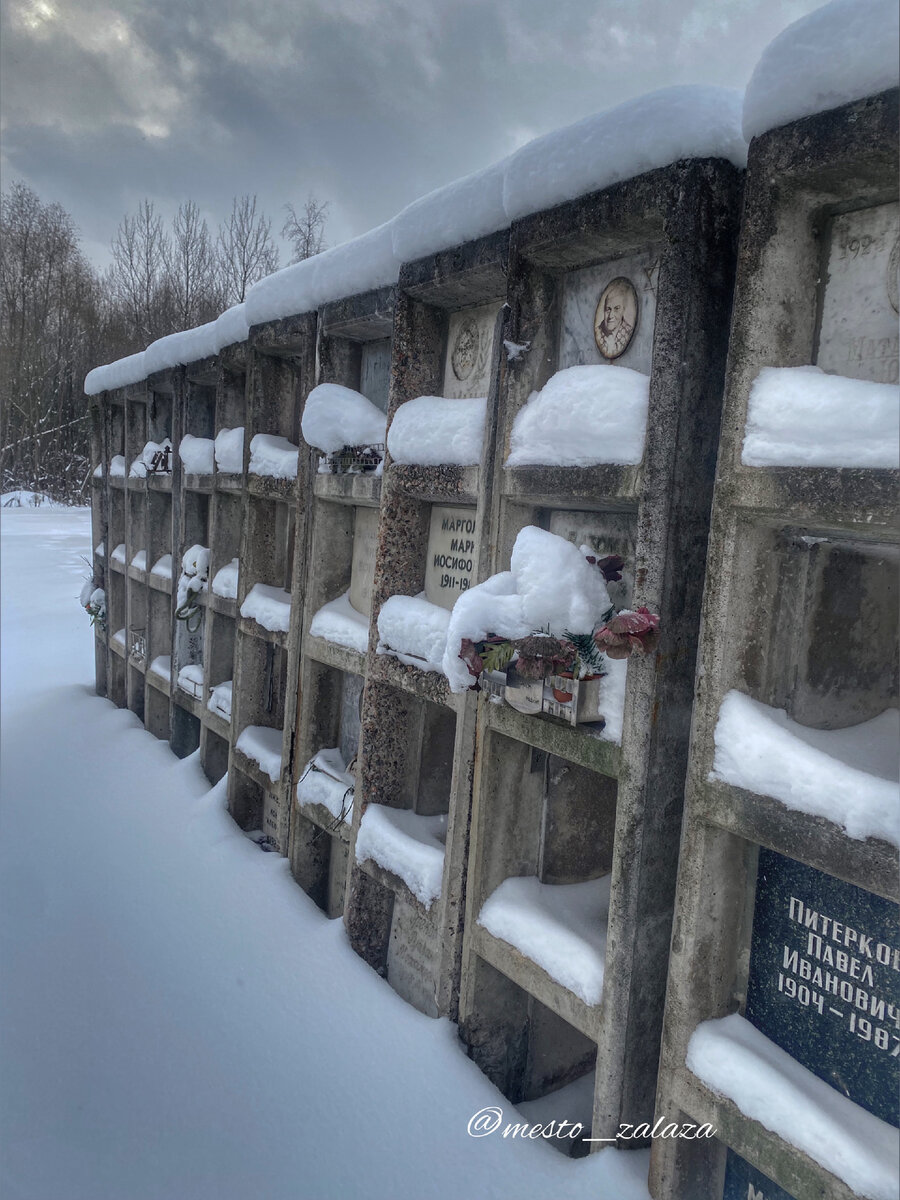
[179, 1021]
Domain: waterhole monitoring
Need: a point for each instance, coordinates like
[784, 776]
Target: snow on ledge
[325, 781]
[849, 776]
[117, 465]
[268, 606]
[162, 567]
[140, 560]
[561, 927]
[335, 416]
[432, 431]
[414, 630]
[225, 581]
[801, 417]
[118, 554]
[263, 746]
[550, 586]
[841, 52]
[197, 454]
[162, 666]
[583, 416]
[410, 845]
[273, 456]
[229, 449]
[220, 697]
[339, 622]
[611, 702]
[190, 680]
[735, 1060]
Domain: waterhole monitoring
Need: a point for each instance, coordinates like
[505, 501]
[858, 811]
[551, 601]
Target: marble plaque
[825, 977]
[351, 702]
[604, 533]
[362, 568]
[469, 353]
[375, 372]
[744, 1182]
[589, 334]
[858, 333]
[414, 957]
[452, 554]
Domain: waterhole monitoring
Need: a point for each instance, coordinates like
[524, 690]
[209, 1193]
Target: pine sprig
[588, 659]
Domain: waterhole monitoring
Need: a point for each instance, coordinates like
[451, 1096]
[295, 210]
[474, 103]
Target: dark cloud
[368, 103]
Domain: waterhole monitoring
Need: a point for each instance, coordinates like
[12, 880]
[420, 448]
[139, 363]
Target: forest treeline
[60, 316]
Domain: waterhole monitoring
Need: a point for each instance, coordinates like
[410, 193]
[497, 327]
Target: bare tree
[49, 302]
[306, 231]
[192, 269]
[246, 251]
[141, 250]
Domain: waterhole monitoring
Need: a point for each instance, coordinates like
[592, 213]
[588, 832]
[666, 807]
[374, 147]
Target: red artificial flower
[611, 566]
[629, 633]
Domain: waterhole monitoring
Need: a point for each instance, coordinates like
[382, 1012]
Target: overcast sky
[366, 103]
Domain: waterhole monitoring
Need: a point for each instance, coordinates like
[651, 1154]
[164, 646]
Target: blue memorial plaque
[824, 975]
[743, 1182]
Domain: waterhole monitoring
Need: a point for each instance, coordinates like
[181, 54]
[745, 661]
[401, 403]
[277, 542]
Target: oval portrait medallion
[465, 351]
[616, 317]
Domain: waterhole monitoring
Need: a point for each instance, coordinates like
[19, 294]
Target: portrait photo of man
[616, 317]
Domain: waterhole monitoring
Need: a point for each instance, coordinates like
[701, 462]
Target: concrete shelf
[572, 486]
[225, 482]
[554, 737]
[533, 979]
[437, 485]
[348, 489]
[764, 821]
[342, 658]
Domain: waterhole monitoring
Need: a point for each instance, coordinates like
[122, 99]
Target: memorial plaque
[858, 333]
[604, 533]
[744, 1182]
[470, 344]
[351, 701]
[452, 554]
[375, 372]
[362, 568]
[271, 821]
[414, 957]
[824, 974]
[608, 313]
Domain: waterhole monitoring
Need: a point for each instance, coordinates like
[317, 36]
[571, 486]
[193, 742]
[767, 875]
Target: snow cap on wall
[364, 263]
[116, 374]
[841, 52]
[231, 327]
[468, 208]
[176, 349]
[640, 135]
